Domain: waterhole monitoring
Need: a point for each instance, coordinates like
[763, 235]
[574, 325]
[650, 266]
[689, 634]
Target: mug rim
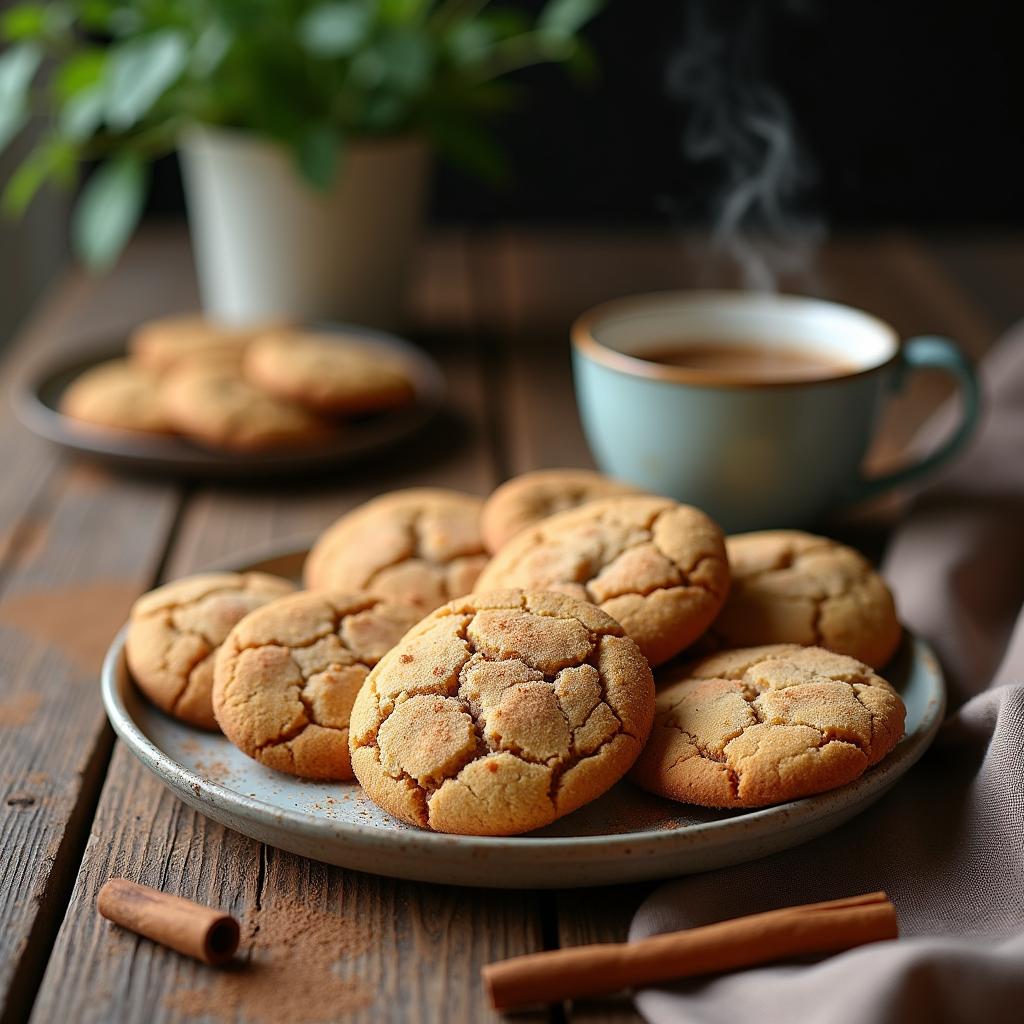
[585, 342]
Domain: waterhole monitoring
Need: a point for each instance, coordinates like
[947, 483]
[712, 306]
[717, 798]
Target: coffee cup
[775, 444]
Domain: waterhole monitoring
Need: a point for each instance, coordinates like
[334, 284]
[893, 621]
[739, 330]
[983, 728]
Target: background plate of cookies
[183, 397]
[612, 692]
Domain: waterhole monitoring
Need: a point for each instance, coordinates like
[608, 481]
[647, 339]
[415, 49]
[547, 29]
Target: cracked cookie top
[657, 567]
[174, 633]
[793, 587]
[287, 675]
[527, 499]
[500, 712]
[328, 373]
[762, 725]
[420, 546]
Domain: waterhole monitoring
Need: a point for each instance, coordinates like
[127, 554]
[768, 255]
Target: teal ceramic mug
[753, 453]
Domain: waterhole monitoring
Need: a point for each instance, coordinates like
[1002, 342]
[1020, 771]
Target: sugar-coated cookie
[657, 567]
[174, 633]
[209, 402]
[328, 373]
[166, 342]
[527, 499]
[762, 725]
[500, 712]
[793, 587]
[421, 546]
[287, 674]
[118, 395]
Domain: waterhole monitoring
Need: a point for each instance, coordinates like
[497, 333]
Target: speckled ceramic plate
[625, 836]
[37, 403]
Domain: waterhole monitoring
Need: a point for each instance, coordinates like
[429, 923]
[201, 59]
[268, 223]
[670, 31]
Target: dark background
[912, 113]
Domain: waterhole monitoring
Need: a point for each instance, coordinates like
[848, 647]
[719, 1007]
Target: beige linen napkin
[947, 844]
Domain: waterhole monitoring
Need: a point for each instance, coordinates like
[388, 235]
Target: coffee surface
[743, 361]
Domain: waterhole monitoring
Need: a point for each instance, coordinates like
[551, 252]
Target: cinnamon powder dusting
[78, 621]
[291, 971]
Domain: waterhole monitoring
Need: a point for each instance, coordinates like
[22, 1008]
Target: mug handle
[930, 352]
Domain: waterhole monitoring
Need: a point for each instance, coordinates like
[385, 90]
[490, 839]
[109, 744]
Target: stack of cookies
[260, 389]
[485, 667]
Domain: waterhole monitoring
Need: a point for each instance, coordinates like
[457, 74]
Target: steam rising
[741, 129]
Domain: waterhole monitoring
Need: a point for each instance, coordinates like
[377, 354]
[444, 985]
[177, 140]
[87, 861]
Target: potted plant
[304, 128]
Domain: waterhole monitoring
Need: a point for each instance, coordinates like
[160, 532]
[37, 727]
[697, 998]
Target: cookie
[287, 675]
[527, 499]
[328, 373]
[792, 587]
[500, 712]
[174, 633]
[170, 341]
[657, 567]
[119, 395]
[762, 725]
[210, 403]
[420, 546]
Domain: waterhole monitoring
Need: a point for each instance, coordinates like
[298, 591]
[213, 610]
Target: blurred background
[911, 113]
[905, 114]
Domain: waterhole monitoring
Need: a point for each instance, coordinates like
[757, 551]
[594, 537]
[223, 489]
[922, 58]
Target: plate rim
[50, 424]
[755, 822]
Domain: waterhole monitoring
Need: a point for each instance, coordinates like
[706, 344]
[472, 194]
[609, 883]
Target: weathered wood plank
[60, 596]
[535, 286]
[988, 268]
[82, 312]
[78, 545]
[414, 951]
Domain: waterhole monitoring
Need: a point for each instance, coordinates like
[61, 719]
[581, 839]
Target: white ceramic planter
[267, 244]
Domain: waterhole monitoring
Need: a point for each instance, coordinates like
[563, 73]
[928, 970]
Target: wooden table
[78, 544]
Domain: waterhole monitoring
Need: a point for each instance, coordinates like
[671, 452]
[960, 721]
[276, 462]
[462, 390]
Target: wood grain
[76, 544]
[81, 545]
[424, 945]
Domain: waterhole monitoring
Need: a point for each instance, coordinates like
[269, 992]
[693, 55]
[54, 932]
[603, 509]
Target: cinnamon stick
[208, 935]
[742, 942]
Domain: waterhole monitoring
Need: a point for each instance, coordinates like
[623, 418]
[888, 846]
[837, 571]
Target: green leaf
[316, 153]
[564, 18]
[213, 43]
[51, 160]
[82, 114]
[80, 71]
[17, 69]
[403, 12]
[504, 22]
[409, 60]
[383, 112]
[139, 72]
[25, 21]
[96, 14]
[335, 29]
[470, 41]
[369, 69]
[108, 210]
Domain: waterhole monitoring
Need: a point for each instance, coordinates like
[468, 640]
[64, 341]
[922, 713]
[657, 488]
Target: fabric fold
[947, 844]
